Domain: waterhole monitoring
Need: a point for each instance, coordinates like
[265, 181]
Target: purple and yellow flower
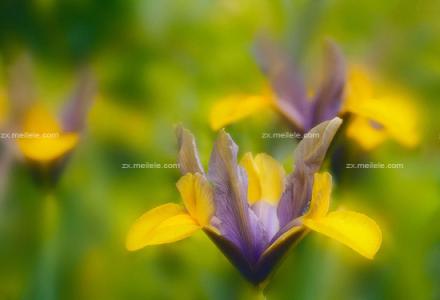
[44, 139]
[288, 93]
[378, 114]
[250, 209]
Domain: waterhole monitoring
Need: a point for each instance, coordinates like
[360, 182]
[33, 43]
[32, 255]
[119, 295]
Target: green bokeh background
[159, 63]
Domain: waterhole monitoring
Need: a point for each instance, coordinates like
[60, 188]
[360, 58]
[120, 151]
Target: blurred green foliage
[159, 63]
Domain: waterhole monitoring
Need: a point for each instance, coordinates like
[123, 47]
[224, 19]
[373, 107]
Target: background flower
[159, 63]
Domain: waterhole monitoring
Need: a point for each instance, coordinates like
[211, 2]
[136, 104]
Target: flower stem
[45, 275]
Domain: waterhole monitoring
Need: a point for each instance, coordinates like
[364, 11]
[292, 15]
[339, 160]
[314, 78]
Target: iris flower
[250, 209]
[377, 114]
[46, 139]
[287, 93]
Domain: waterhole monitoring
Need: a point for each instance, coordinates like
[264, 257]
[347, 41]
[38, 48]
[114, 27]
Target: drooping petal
[395, 114]
[188, 156]
[286, 81]
[320, 202]
[45, 142]
[164, 224]
[265, 176]
[367, 136]
[234, 108]
[309, 156]
[197, 196]
[328, 99]
[390, 108]
[48, 149]
[352, 229]
[237, 222]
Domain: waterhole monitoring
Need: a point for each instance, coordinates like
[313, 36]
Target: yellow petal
[45, 149]
[352, 229]
[40, 120]
[391, 108]
[235, 108]
[197, 196]
[322, 187]
[368, 137]
[265, 178]
[43, 140]
[164, 224]
[254, 186]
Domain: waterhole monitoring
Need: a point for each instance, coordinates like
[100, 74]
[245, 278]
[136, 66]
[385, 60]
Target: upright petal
[352, 229]
[266, 178]
[237, 222]
[328, 99]
[286, 81]
[197, 197]
[164, 224]
[74, 114]
[188, 156]
[309, 156]
[237, 107]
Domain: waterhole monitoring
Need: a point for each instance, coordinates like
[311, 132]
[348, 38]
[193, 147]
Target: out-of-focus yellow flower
[379, 113]
[43, 139]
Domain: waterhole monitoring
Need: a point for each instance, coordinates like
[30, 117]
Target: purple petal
[286, 81]
[268, 217]
[328, 99]
[74, 114]
[309, 156]
[188, 159]
[237, 222]
[271, 258]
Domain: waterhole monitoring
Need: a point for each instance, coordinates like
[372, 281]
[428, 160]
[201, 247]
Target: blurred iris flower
[43, 139]
[251, 210]
[376, 117]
